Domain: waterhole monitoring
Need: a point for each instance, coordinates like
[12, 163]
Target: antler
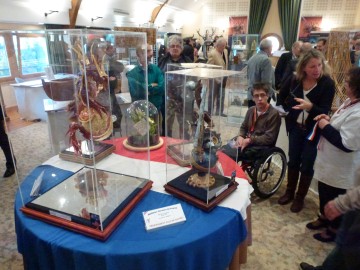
[203, 37]
[213, 32]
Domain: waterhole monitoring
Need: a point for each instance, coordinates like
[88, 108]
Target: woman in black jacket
[305, 95]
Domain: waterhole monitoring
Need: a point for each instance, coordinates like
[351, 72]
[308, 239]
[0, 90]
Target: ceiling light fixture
[50, 12]
[97, 18]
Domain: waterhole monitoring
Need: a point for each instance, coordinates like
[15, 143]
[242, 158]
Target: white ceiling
[137, 12]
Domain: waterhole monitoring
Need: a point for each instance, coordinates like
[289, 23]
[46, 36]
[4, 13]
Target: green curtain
[259, 10]
[289, 12]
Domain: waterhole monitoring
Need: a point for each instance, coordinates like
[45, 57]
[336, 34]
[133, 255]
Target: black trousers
[326, 194]
[5, 145]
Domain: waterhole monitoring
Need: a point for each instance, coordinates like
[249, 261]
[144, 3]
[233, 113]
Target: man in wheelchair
[259, 130]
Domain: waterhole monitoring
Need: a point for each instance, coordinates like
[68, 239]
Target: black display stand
[203, 198]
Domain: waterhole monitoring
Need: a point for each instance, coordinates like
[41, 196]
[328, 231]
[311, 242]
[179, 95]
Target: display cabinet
[85, 186]
[243, 47]
[194, 139]
[236, 109]
[237, 99]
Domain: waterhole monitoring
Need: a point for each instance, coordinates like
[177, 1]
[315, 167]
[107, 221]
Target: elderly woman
[306, 95]
[175, 101]
[175, 53]
[337, 166]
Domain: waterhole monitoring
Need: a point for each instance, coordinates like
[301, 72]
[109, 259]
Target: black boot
[306, 266]
[293, 176]
[9, 172]
[298, 203]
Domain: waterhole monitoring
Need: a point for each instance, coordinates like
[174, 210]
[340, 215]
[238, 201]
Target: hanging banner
[238, 25]
[307, 25]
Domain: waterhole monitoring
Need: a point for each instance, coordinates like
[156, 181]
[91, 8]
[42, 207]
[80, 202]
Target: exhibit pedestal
[204, 198]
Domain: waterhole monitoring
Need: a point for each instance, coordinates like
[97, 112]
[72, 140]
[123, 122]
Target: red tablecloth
[159, 155]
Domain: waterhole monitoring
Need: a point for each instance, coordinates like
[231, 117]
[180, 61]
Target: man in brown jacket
[260, 128]
[218, 56]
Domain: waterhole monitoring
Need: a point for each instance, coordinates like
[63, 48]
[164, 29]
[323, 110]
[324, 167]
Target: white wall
[8, 95]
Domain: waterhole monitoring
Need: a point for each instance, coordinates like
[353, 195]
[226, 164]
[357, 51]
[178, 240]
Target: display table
[29, 97]
[204, 241]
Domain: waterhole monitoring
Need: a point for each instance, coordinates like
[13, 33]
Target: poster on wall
[238, 25]
[308, 24]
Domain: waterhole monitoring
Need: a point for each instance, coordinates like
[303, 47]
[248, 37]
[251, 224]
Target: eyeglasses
[175, 46]
[257, 96]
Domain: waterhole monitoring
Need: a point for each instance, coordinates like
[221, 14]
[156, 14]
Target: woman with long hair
[306, 95]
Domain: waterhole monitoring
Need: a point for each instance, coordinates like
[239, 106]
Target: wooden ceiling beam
[156, 12]
[73, 12]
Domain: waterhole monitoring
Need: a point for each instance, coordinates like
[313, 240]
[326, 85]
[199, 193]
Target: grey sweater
[349, 201]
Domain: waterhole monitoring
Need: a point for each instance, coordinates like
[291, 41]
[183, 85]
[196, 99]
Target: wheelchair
[266, 167]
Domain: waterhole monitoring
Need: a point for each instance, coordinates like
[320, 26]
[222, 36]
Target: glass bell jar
[142, 126]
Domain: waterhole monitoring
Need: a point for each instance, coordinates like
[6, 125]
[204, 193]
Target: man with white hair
[260, 70]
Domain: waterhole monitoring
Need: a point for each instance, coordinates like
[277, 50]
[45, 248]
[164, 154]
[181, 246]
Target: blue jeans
[302, 152]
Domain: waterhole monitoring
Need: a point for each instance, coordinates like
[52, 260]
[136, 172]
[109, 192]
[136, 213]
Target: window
[4, 60]
[276, 41]
[33, 54]
[22, 55]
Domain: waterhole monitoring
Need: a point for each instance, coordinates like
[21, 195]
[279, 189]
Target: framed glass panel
[4, 60]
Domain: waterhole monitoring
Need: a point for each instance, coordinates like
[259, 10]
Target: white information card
[164, 216]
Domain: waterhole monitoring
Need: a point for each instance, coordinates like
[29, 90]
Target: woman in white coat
[337, 166]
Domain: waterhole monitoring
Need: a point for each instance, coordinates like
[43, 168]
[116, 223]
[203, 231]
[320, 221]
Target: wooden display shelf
[92, 232]
[143, 149]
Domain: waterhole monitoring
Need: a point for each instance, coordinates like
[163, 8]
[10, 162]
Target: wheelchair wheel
[269, 172]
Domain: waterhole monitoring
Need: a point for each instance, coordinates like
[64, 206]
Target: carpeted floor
[280, 239]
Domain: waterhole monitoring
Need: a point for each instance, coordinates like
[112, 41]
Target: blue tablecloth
[204, 241]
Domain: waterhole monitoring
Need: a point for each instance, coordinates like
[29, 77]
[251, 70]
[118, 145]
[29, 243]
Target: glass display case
[243, 47]
[180, 105]
[237, 99]
[194, 141]
[87, 185]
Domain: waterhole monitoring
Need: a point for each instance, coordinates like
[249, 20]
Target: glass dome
[142, 125]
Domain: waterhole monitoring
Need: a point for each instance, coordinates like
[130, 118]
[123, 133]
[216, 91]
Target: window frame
[14, 63]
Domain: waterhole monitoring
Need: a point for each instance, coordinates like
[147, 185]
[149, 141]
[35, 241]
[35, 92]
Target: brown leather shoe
[297, 205]
[286, 198]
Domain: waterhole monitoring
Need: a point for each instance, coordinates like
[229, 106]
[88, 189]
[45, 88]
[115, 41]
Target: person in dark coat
[284, 60]
[6, 147]
[189, 48]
